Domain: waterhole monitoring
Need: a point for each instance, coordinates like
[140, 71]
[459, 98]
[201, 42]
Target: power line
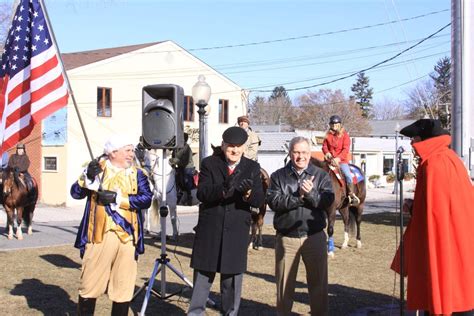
[365, 69]
[275, 40]
[317, 34]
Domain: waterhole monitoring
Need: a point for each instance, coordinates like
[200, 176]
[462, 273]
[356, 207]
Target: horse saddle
[357, 175]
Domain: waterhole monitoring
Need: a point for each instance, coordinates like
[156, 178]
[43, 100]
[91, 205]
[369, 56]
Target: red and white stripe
[30, 96]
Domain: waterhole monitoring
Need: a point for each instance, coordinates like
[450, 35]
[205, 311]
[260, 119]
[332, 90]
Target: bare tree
[315, 108]
[274, 111]
[5, 14]
[388, 109]
[422, 101]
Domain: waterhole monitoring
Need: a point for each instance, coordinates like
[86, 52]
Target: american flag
[32, 85]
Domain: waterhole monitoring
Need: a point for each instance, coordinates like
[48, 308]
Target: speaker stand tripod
[163, 261]
[400, 175]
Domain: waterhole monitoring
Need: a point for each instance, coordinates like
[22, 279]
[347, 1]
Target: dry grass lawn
[45, 280]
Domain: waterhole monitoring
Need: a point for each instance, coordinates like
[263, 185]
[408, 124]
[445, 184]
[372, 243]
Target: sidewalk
[47, 213]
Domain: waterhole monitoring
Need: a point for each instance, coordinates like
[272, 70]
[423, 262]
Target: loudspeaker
[162, 116]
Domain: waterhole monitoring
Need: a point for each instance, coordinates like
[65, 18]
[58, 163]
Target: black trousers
[231, 291]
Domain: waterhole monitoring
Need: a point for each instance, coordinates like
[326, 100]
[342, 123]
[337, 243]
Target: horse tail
[352, 220]
[154, 213]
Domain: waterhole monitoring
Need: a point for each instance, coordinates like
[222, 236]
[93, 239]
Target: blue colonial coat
[135, 194]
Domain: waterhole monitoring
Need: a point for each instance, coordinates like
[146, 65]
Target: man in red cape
[439, 239]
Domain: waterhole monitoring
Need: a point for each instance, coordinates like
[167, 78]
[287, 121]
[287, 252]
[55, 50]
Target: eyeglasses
[300, 153]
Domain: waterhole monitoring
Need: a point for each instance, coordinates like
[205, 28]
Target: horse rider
[20, 161]
[182, 161]
[253, 141]
[110, 236]
[229, 184]
[336, 147]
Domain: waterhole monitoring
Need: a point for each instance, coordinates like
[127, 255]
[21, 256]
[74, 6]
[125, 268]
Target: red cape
[439, 240]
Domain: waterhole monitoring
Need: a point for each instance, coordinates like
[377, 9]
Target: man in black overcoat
[229, 184]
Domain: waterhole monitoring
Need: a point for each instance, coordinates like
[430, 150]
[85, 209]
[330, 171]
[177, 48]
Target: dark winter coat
[22, 162]
[222, 231]
[295, 216]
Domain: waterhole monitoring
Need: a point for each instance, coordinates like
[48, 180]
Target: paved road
[54, 226]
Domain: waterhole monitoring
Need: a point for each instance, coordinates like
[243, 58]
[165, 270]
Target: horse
[152, 159]
[351, 214]
[256, 240]
[17, 197]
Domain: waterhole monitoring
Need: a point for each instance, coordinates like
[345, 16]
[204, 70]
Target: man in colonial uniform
[110, 236]
[253, 141]
[438, 241]
[229, 184]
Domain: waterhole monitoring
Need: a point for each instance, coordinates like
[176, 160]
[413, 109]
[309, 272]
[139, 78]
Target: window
[223, 111]
[388, 165]
[188, 109]
[50, 163]
[104, 102]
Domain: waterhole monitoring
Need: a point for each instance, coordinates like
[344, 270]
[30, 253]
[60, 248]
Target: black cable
[365, 69]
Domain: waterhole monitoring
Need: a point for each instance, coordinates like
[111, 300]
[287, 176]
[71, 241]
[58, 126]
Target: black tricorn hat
[235, 135]
[425, 128]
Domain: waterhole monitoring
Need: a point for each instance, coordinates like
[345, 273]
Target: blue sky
[320, 57]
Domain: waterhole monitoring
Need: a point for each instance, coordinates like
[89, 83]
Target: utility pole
[462, 53]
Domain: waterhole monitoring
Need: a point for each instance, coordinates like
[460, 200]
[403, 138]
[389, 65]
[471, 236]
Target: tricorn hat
[425, 128]
[243, 118]
[235, 135]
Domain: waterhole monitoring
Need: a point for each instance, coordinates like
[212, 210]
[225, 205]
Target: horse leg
[259, 236]
[330, 228]
[253, 232]
[28, 218]
[174, 218]
[10, 218]
[19, 219]
[345, 218]
[360, 208]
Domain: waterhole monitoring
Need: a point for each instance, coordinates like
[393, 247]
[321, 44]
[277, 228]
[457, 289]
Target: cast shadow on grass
[385, 218]
[61, 261]
[179, 303]
[46, 298]
[342, 301]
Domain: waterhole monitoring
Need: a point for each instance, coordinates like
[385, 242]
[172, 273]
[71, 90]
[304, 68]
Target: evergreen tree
[363, 94]
[442, 84]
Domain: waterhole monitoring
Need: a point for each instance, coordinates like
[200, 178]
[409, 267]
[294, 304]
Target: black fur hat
[425, 128]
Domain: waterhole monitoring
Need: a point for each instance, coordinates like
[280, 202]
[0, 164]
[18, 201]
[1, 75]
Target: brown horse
[351, 214]
[256, 241]
[17, 197]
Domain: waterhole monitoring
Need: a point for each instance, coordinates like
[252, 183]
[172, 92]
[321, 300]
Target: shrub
[390, 178]
[409, 176]
[374, 178]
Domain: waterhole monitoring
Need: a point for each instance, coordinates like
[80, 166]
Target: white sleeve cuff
[91, 185]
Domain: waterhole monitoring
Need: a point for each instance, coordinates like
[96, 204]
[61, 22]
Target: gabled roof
[78, 59]
[386, 128]
[275, 141]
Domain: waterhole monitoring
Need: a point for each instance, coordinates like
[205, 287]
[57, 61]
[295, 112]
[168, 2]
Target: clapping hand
[244, 186]
[306, 186]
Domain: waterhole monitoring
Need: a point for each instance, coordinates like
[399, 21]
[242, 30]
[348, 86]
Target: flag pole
[71, 93]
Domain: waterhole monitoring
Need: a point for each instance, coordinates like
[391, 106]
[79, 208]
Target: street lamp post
[201, 95]
[395, 161]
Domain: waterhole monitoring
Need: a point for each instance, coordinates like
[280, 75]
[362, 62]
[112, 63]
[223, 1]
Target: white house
[107, 86]
[374, 154]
